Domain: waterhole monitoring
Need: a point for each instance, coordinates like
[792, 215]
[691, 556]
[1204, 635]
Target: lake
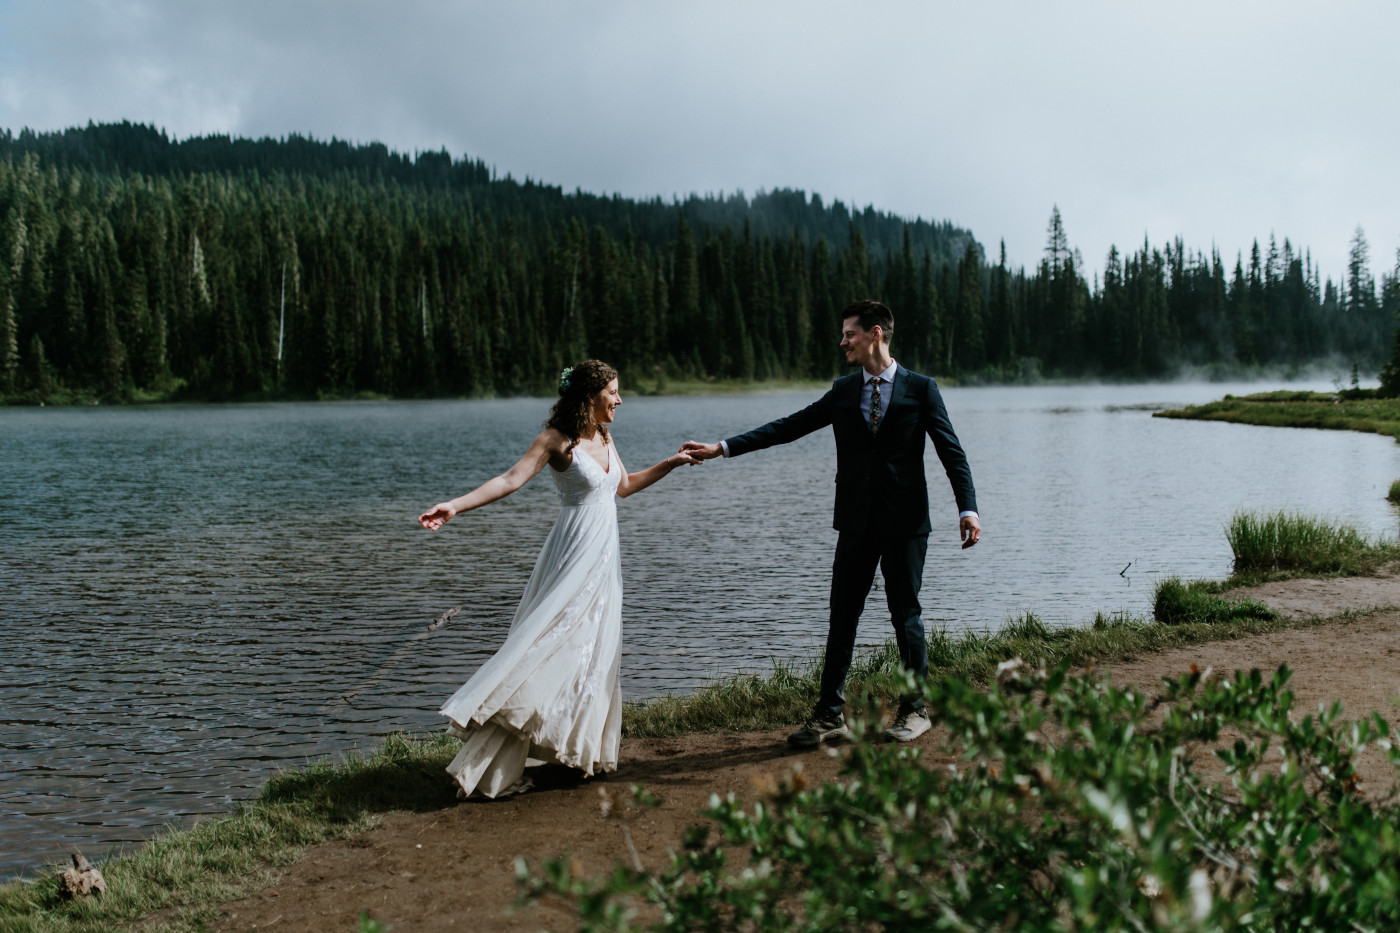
[194, 596]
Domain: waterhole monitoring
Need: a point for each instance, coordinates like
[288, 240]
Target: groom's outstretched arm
[783, 431]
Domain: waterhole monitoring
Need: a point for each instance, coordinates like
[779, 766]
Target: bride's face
[605, 403]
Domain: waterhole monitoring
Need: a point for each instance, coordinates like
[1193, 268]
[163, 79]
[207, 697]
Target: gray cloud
[1216, 122]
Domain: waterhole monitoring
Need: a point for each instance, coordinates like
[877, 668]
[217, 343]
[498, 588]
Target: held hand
[437, 516]
[701, 451]
[970, 529]
[684, 458]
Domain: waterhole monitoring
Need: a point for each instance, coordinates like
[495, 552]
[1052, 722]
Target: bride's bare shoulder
[553, 439]
[556, 445]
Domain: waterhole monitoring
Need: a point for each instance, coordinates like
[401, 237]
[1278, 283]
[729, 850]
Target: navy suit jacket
[880, 482]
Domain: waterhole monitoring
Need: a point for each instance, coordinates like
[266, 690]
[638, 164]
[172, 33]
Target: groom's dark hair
[868, 313]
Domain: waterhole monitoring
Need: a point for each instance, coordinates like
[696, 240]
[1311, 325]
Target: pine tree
[1390, 373]
[16, 236]
[1361, 287]
[40, 373]
[970, 349]
[684, 339]
[1001, 336]
[1056, 242]
[823, 309]
[1112, 317]
[931, 313]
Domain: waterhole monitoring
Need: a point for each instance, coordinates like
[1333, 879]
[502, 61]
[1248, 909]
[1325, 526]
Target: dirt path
[454, 869]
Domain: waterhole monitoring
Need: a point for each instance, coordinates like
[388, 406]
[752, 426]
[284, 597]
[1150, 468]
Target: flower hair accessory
[564, 378]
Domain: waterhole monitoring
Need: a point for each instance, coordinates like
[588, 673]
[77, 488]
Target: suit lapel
[899, 388]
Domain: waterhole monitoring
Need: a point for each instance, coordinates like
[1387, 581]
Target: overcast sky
[1215, 121]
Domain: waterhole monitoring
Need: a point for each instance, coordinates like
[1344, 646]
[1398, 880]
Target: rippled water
[191, 597]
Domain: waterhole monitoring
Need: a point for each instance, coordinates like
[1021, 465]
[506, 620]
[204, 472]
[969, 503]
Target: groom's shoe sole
[908, 728]
[812, 734]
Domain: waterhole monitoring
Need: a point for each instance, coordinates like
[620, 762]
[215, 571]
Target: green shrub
[1394, 494]
[1072, 805]
[1197, 603]
[1290, 543]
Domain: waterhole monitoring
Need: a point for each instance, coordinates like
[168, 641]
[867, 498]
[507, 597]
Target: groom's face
[858, 343]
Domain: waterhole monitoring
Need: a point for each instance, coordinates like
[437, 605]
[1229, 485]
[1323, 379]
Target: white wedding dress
[551, 693]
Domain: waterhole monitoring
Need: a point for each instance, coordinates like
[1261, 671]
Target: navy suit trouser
[901, 563]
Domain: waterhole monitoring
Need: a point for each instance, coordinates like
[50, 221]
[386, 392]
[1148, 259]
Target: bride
[550, 694]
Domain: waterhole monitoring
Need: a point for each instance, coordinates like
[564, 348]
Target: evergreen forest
[134, 266]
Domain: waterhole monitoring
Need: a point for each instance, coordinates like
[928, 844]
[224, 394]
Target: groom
[880, 416]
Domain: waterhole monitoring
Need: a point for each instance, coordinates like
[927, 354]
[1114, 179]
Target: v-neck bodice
[587, 482]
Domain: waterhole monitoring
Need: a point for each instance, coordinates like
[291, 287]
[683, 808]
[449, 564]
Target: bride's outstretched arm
[550, 445]
[635, 482]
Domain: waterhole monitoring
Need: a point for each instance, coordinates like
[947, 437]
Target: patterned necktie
[875, 411]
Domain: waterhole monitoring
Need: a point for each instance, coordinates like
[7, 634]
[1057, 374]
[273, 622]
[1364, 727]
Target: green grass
[183, 875]
[751, 701]
[1348, 411]
[785, 694]
[1394, 494]
[1289, 544]
[1175, 602]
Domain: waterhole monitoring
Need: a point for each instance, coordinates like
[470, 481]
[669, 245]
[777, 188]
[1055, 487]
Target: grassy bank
[785, 694]
[180, 878]
[177, 880]
[1349, 410]
[1285, 544]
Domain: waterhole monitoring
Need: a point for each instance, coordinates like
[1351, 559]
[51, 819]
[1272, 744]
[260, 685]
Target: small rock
[82, 880]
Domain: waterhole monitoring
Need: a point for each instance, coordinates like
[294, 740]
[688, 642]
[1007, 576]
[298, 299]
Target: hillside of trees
[136, 266]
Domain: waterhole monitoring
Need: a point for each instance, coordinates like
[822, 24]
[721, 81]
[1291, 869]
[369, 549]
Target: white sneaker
[908, 726]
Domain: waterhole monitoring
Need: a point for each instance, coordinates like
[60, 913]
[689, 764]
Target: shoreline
[186, 878]
[646, 388]
[1360, 410]
[727, 731]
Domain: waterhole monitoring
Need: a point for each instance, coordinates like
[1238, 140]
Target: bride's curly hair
[574, 411]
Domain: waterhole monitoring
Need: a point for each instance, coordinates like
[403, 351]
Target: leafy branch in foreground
[1070, 805]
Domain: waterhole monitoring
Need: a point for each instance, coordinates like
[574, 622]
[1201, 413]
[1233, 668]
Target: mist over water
[194, 596]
